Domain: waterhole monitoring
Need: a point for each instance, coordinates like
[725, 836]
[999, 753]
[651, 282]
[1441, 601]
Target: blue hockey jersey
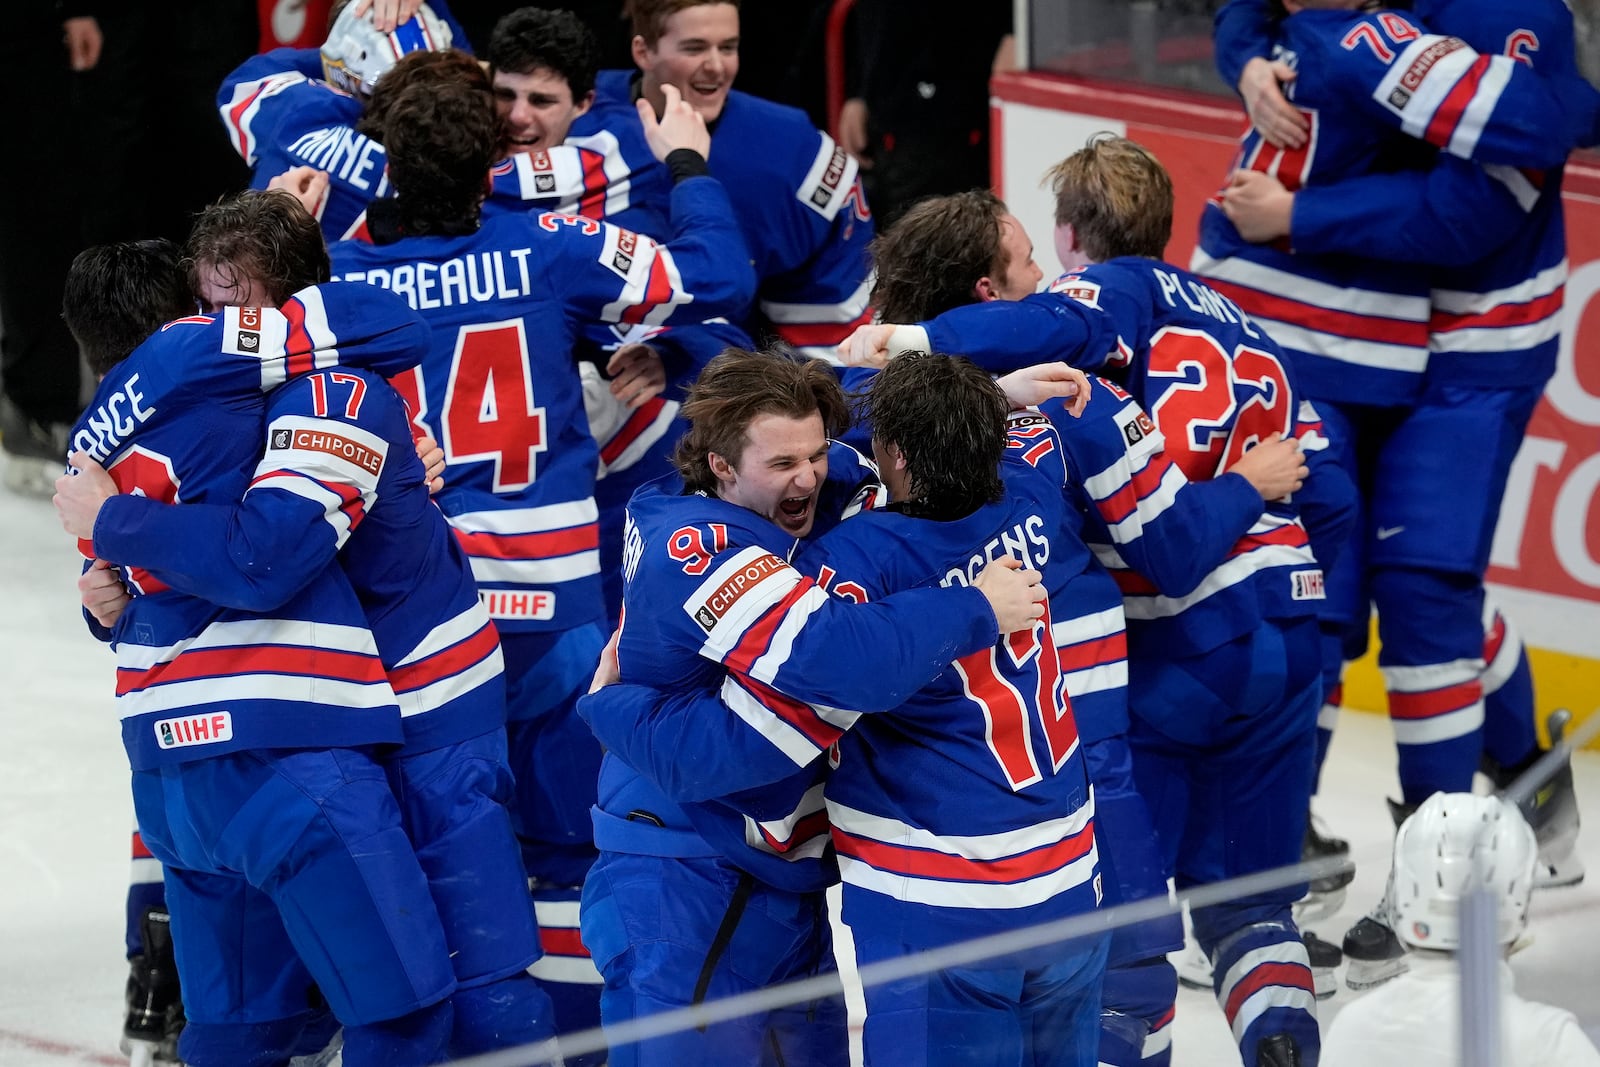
[180, 421]
[966, 810]
[338, 476]
[712, 602]
[1359, 328]
[798, 198]
[500, 390]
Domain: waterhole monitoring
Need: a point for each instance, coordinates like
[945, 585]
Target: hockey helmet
[356, 55]
[1453, 844]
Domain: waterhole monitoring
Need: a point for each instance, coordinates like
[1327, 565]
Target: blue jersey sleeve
[271, 98]
[1490, 109]
[617, 276]
[1328, 500]
[327, 447]
[1450, 215]
[1241, 31]
[1006, 335]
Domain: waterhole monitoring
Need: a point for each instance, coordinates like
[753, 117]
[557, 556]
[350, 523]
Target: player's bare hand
[79, 496]
[637, 374]
[83, 40]
[306, 184]
[1258, 205]
[1015, 593]
[432, 457]
[387, 14]
[103, 595]
[868, 346]
[680, 126]
[853, 130]
[1276, 467]
[1032, 386]
[1261, 85]
[607, 672]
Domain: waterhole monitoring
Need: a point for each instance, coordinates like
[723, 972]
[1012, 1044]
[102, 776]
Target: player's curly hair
[264, 236]
[117, 295]
[947, 417]
[649, 17]
[441, 141]
[1116, 196]
[531, 38]
[736, 388]
[930, 260]
[418, 68]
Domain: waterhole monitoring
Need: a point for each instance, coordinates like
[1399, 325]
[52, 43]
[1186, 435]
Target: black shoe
[1400, 812]
[155, 1003]
[1279, 1050]
[1374, 952]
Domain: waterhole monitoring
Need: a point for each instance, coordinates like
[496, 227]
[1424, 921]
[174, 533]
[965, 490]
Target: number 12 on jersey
[1016, 681]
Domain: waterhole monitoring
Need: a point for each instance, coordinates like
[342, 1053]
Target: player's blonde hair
[1116, 196]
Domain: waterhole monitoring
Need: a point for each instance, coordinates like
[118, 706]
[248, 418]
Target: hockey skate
[1374, 953]
[1324, 896]
[1279, 1050]
[1552, 811]
[155, 1006]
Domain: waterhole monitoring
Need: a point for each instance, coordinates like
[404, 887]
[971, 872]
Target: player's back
[279, 114]
[179, 421]
[966, 810]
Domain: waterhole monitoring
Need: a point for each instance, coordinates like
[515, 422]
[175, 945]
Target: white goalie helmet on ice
[356, 55]
[1455, 843]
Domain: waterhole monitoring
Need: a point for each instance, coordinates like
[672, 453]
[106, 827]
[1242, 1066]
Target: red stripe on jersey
[813, 334]
[809, 826]
[593, 203]
[145, 582]
[637, 424]
[236, 118]
[1292, 975]
[1132, 583]
[562, 941]
[1447, 116]
[925, 863]
[657, 291]
[1494, 638]
[446, 662]
[1324, 320]
[1293, 535]
[1503, 314]
[753, 645]
[141, 851]
[1125, 500]
[1003, 705]
[1432, 702]
[296, 660]
[1112, 648]
[547, 545]
[1166, 1018]
[797, 713]
[1033, 455]
[297, 346]
[1335, 696]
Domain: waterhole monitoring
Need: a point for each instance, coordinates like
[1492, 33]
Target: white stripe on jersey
[1516, 183]
[247, 632]
[1496, 340]
[828, 180]
[1431, 676]
[1147, 509]
[738, 593]
[330, 502]
[333, 693]
[1237, 569]
[435, 695]
[848, 310]
[1269, 996]
[535, 572]
[1468, 302]
[988, 896]
[1102, 676]
[527, 520]
[1350, 299]
[146, 870]
[1408, 358]
[239, 132]
[1481, 107]
[450, 632]
[783, 830]
[979, 847]
[636, 290]
[784, 737]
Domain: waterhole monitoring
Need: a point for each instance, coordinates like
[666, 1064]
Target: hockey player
[711, 602]
[249, 734]
[796, 194]
[1493, 335]
[339, 476]
[1113, 211]
[1453, 846]
[505, 299]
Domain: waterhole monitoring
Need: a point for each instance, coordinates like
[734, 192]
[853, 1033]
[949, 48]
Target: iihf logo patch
[544, 183]
[622, 263]
[1133, 433]
[249, 341]
[1399, 98]
[281, 438]
[706, 618]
